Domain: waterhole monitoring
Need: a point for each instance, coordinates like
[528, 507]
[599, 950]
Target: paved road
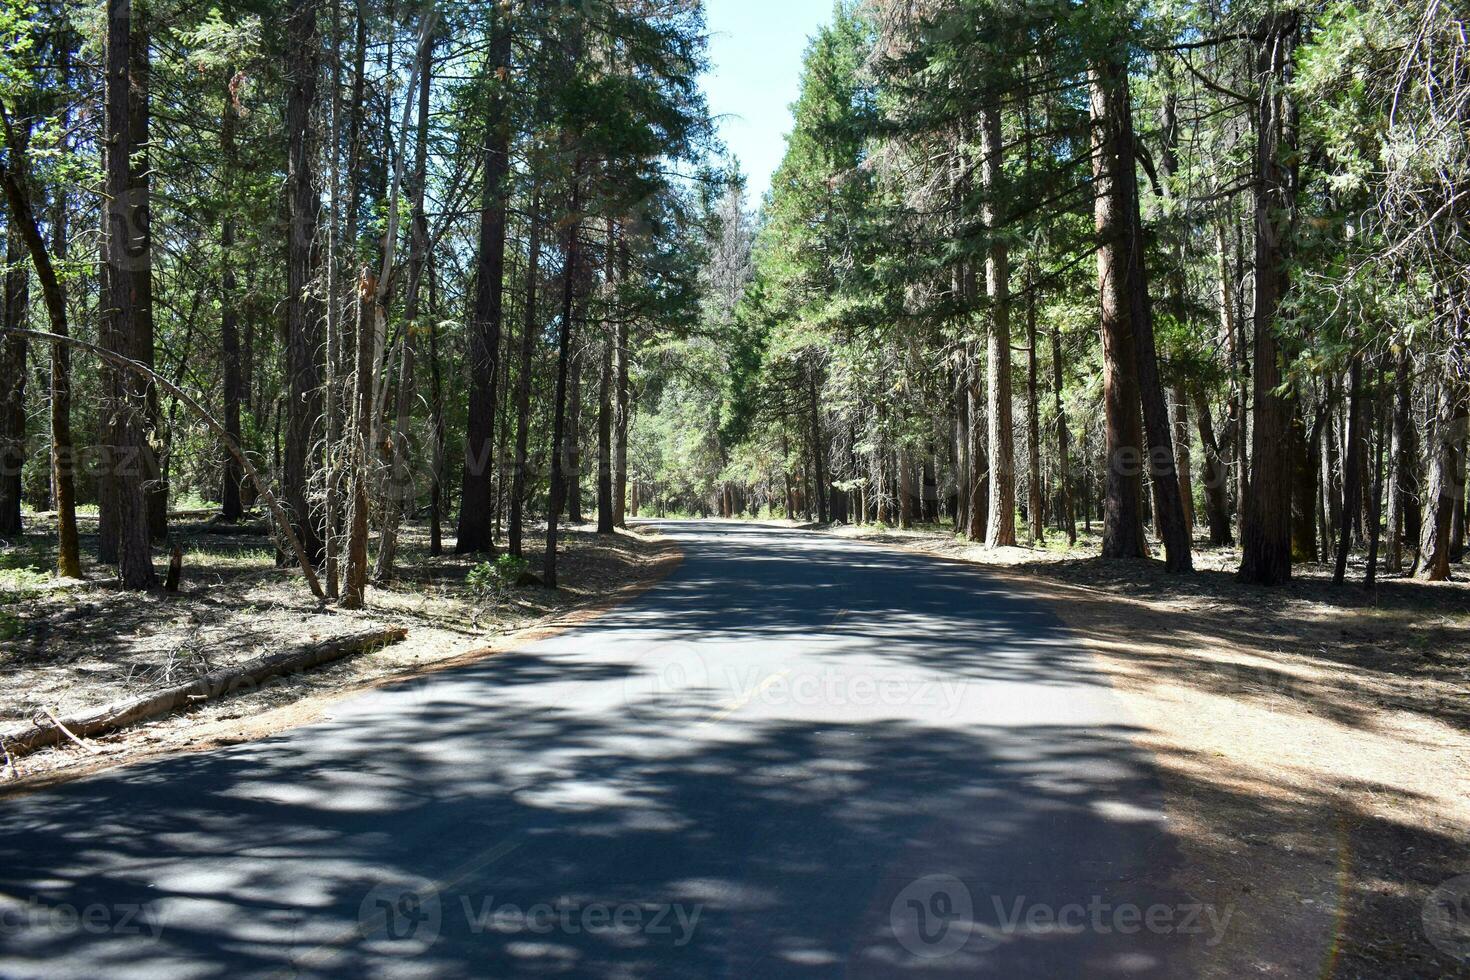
[797, 756]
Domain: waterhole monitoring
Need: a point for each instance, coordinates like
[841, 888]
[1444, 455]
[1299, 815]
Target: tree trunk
[1351, 494]
[476, 513]
[574, 438]
[819, 472]
[231, 506]
[1123, 504]
[303, 367]
[1168, 502]
[1234, 342]
[140, 269]
[1033, 424]
[1457, 513]
[1305, 448]
[13, 398]
[1216, 476]
[401, 492]
[1266, 519]
[354, 581]
[1183, 461]
[572, 251]
[605, 521]
[437, 481]
[1001, 527]
[523, 378]
[1064, 436]
[1401, 461]
[1375, 506]
[127, 333]
[621, 355]
[1441, 494]
[905, 465]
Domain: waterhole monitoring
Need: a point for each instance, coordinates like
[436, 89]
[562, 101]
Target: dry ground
[1314, 742]
[65, 646]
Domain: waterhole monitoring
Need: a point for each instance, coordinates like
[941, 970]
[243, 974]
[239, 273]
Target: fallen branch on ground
[228, 680]
[57, 722]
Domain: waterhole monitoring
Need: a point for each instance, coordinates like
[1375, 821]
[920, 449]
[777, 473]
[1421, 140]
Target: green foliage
[494, 580]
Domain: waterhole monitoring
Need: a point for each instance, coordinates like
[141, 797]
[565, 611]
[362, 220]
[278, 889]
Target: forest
[1158, 269]
[1169, 270]
[425, 441]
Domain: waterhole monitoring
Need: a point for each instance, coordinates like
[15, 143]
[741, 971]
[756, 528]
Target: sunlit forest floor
[67, 646]
[1313, 741]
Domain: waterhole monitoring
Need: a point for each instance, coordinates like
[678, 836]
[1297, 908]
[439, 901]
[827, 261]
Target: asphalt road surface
[796, 756]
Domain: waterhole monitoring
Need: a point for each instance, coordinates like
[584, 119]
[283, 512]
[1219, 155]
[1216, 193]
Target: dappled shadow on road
[789, 843]
[676, 815]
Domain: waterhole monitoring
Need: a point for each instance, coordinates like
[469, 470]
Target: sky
[755, 53]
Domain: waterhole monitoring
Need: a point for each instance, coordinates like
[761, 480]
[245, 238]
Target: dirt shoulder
[72, 646]
[1313, 744]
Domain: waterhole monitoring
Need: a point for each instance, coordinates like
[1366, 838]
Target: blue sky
[755, 52]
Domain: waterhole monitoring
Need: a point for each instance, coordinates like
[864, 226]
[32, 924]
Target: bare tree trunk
[1305, 450]
[1400, 461]
[961, 452]
[140, 270]
[13, 369]
[1123, 504]
[1033, 424]
[1183, 461]
[1457, 513]
[905, 488]
[1441, 495]
[819, 473]
[572, 251]
[1235, 408]
[605, 523]
[354, 124]
[476, 513]
[1216, 476]
[1266, 522]
[127, 333]
[523, 378]
[332, 536]
[1351, 496]
[574, 438]
[979, 508]
[436, 412]
[1167, 499]
[231, 507]
[1064, 436]
[401, 491]
[1001, 527]
[621, 399]
[354, 582]
[303, 367]
[1375, 507]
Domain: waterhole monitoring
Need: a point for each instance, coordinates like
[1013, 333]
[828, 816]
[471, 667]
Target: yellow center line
[745, 698]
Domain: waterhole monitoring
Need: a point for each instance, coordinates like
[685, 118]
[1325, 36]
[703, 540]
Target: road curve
[796, 756]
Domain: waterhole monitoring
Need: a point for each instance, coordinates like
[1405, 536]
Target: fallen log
[225, 681]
